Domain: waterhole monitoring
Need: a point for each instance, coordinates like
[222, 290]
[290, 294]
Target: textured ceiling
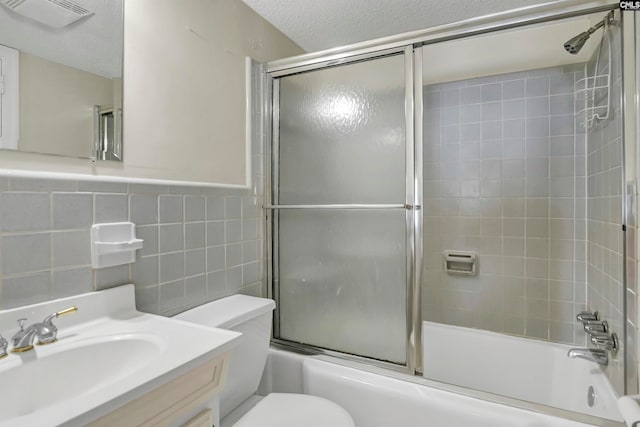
[323, 24]
[93, 44]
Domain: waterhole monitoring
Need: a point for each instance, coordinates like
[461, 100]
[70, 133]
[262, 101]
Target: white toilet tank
[252, 317]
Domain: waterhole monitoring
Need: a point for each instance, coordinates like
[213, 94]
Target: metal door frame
[411, 208]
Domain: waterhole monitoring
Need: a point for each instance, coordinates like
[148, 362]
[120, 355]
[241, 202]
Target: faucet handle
[606, 341]
[21, 323]
[47, 331]
[596, 326]
[585, 316]
[64, 312]
[3, 347]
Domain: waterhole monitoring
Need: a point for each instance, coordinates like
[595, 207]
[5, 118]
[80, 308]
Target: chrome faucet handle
[585, 316]
[48, 332]
[608, 342]
[3, 347]
[23, 339]
[596, 326]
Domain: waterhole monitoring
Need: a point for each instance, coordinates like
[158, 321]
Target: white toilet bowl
[295, 410]
[238, 408]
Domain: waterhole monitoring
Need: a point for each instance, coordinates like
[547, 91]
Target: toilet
[239, 404]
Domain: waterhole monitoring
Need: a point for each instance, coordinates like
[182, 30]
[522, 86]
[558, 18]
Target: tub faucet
[592, 354]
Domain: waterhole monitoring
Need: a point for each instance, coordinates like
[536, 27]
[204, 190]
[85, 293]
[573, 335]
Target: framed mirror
[61, 77]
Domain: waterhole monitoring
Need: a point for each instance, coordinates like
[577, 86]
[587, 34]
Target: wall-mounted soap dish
[113, 244]
[460, 262]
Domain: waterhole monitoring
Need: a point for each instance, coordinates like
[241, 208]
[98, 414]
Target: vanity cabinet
[174, 401]
[203, 419]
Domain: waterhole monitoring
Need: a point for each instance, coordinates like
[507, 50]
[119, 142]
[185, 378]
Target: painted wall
[509, 51]
[184, 94]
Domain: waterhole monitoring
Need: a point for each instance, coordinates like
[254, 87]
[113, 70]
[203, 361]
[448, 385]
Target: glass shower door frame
[484, 25]
[412, 205]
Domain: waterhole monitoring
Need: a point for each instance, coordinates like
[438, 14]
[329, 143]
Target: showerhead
[574, 44]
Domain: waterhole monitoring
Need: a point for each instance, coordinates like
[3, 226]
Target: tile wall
[605, 272]
[199, 244]
[504, 176]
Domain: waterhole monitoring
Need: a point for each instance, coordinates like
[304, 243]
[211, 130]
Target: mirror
[61, 77]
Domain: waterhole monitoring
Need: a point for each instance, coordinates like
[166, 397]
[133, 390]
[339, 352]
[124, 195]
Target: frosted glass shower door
[339, 218]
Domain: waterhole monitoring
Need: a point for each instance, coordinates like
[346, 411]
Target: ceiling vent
[53, 13]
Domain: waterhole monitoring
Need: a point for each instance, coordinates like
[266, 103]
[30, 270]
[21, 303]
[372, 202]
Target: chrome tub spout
[592, 354]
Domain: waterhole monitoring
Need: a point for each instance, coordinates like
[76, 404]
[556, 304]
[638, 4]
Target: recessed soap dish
[460, 262]
[114, 244]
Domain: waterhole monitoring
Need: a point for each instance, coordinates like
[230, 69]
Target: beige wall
[184, 95]
[509, 51]
[56, 106]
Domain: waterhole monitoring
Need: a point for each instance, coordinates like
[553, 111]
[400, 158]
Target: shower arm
[598, 25]
[607, 20]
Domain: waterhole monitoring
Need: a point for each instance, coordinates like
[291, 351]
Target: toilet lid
[295, 410]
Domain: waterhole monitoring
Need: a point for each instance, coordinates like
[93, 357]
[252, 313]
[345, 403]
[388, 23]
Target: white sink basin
[65, 374]
[106, 354]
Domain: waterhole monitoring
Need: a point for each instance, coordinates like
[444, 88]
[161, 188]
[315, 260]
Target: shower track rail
[347, 206]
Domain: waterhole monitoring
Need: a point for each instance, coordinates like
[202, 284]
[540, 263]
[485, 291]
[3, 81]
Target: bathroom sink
[106, 355]
[38, 382]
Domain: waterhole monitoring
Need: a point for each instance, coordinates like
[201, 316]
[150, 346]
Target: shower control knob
[585, 316]
[608, 342]
[595, 326]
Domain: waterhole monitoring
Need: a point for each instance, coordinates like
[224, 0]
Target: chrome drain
[591, 396]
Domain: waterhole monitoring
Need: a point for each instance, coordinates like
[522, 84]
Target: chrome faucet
[46, 332]
[596, 355]
[23, 339]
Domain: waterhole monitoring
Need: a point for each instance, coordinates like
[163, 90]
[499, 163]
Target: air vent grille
[53, 13]
[71, 7]
[11, 4]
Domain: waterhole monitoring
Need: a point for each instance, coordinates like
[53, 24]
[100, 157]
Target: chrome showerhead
[574, 44]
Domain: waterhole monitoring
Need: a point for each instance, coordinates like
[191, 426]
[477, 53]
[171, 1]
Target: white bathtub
[376, 400]
[521, 368]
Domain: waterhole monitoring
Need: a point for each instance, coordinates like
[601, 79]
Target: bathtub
[377, 397]
[525, 369]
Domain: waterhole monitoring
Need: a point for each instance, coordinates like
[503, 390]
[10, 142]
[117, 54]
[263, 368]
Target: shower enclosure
[471, 175]
[342, 197]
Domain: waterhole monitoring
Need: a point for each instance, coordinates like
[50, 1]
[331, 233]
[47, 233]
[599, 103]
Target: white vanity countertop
[107, 354]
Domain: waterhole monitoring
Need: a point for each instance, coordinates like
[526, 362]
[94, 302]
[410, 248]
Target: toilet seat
[295, 410]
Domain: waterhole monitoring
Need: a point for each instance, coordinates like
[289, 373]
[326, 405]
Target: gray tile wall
[606, 290]
[504, 177]
[199, 244]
